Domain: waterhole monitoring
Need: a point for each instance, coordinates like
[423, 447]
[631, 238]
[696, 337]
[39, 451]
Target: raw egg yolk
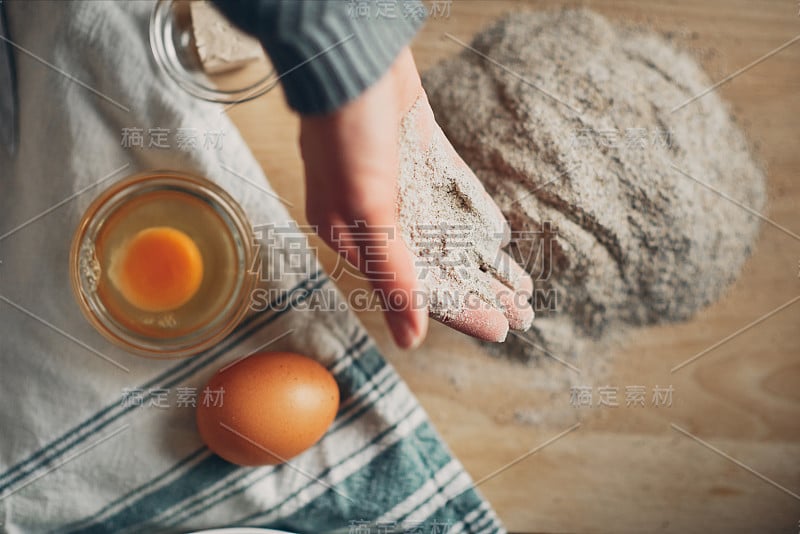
[160, 269]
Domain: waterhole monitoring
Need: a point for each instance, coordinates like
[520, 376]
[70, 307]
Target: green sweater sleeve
[327, 52]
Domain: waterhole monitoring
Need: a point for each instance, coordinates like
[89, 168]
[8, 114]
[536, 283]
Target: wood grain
[625, 469]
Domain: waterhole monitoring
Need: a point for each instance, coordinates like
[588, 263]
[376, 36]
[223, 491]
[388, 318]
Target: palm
[351, 162]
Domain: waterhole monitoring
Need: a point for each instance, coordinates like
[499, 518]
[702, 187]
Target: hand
[351, 167]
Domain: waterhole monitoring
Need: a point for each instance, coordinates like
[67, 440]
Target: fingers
[505, 305]
[514, 289]
[516, 306]
[374, 246]
[476, 318]
[508, 271]
[512, 296]
[396, 281]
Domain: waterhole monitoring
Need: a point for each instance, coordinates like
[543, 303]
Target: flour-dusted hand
[353, 80]
[456, 233]
[352, 161]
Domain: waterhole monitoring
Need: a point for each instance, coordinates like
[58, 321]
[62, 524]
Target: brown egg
[275, 405]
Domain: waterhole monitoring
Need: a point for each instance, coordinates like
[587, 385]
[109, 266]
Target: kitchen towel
[94, 439]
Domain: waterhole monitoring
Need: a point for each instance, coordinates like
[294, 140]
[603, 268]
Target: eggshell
[274, 406]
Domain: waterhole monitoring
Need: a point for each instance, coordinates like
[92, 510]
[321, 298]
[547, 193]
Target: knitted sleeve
[327, 52]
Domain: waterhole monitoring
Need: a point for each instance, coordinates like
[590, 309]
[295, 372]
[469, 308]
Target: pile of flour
[615, 201]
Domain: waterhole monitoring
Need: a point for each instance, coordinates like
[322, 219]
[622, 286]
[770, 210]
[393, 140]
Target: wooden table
[736, 409]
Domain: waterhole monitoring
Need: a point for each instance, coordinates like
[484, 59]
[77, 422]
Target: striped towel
[93, 439]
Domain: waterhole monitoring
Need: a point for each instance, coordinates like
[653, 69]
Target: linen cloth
[89, 442]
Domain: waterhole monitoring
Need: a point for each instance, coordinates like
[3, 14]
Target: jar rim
[162, 47]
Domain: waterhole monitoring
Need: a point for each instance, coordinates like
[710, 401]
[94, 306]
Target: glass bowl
[173, 46]
[194, 206]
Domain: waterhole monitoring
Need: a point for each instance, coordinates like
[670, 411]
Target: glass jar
[211, 222]
[172, 43]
